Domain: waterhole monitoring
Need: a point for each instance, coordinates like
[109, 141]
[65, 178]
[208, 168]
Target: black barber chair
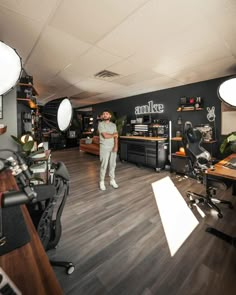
[46, 213]
[201, 160]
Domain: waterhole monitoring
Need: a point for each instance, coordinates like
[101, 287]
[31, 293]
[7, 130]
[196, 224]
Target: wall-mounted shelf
[28, 85]
[189, 110]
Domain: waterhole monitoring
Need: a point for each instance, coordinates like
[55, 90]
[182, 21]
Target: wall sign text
[150, 108]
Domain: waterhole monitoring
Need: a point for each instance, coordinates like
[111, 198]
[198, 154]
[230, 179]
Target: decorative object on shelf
[10, 67]
[3, 128]
[190, 103]
[211, 117]
[206, 131]
[179, 131]
[227, 92]
[179, 120]
[211, 114]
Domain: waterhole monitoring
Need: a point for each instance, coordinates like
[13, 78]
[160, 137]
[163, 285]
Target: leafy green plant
[229, 144]
[120, 122]
[26, 145]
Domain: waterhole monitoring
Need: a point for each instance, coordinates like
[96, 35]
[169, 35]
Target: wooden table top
[222, 171]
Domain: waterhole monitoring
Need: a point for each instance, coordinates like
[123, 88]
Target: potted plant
[228, 145]
[120, 122]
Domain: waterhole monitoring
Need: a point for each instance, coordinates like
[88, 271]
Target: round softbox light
[58, 113]
[10, 68]
[227, 91]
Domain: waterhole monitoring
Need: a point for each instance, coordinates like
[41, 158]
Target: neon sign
[150, 108]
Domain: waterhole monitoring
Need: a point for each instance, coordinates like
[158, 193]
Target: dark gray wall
[170, 98]
[9, 119]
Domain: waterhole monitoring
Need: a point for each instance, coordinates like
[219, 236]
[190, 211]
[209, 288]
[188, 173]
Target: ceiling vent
[106, 75]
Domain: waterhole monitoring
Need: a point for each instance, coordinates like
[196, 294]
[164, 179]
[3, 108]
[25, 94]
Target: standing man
[108, 149]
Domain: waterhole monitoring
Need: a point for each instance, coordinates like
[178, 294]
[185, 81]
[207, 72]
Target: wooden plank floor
[117, 242]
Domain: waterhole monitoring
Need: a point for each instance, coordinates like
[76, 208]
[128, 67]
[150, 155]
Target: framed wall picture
[1, 107]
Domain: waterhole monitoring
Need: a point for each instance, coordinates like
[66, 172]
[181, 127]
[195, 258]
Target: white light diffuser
[64, 114]
[10, 68]
[227, 92]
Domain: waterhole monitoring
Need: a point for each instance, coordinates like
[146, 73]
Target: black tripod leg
[219, 234]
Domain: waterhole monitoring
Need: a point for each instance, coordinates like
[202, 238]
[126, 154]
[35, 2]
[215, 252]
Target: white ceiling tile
[71, 77]
[221, 67]
[214, 69]
[136, 78]
[108, 86]
[71, 91]
[205, 55]
[151, 25]
[19, 32]
[92, 62]
[90, 20]
[126, 67]
[40, 72]
[34, 9]
[57, 49]
[89, 84]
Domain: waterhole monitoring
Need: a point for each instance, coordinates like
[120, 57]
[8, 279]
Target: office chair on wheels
[46, 213]
[201, 160]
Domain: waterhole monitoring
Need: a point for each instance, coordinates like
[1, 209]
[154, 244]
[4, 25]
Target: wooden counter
[144, 138]
[28, 266]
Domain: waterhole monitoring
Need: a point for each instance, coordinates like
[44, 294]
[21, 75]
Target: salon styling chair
[46, 213]
[201, 160]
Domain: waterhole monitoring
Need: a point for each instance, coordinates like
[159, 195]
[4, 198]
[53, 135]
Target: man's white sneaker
[114, 184]
[102, 186]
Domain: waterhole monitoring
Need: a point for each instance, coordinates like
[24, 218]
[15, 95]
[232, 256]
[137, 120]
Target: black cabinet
[144, 152]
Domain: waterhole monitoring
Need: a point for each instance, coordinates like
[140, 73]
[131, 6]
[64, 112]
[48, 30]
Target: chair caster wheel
[220, 215]
[190, 206]
[70, 268]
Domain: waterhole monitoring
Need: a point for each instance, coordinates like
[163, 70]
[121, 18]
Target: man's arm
[115, 148]
[109, 135]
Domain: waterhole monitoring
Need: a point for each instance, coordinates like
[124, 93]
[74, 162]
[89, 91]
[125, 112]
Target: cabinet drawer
[136, 158]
